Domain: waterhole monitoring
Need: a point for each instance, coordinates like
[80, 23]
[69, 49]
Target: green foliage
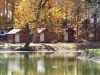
[92, 52]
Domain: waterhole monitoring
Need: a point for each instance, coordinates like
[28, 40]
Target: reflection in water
[88, 68]
[40, 65]
[45, 64]
[13, 66]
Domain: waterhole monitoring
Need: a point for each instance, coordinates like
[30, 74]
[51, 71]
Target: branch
[41, 5]
[44, 3]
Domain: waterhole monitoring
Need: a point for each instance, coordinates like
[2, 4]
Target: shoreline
[50, 46]
[41, 46]
[93, 59]
[53, 47]
[40, 51]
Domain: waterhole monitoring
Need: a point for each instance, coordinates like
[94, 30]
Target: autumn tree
[28, 12]
[50, 14]
[74, 15]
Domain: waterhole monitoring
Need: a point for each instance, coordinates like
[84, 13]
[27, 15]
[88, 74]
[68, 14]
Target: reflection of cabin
[16, 36]
[69, 35]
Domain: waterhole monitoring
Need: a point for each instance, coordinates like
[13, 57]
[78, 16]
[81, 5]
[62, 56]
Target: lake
[46, 63]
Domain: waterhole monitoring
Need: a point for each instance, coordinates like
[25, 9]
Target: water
[38, 63]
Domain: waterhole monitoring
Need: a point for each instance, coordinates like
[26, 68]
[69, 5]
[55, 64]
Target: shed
[69, 35]
[42, 35]
[16, 36]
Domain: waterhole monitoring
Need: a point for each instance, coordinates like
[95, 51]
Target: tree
[50, 14]
[92, 14]
[27, 12]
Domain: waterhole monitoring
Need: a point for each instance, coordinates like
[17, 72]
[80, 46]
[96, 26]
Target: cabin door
[41, 37]
[66, 37]
[17, 38]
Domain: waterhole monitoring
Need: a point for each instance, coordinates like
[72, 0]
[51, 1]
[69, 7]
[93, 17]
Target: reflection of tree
[26, 62]
[71, 66]
[37, 64]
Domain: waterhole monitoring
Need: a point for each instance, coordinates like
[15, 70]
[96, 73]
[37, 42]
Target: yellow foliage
[23, 13]
[48, 17]
[57, 13]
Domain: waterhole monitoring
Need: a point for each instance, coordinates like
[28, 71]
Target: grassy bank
[91, 54]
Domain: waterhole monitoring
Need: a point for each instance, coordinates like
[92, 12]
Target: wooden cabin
[69, 35]
[42, 35]
[16, 36]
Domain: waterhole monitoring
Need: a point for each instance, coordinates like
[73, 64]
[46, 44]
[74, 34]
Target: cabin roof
[14, 31]
[39, 30]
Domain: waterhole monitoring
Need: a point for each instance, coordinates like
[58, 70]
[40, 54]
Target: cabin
[16, 36]
[42, 35]
[69, 35]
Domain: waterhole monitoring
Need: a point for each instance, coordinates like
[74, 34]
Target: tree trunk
[86, 23]
[95, 20]
[29, 39]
